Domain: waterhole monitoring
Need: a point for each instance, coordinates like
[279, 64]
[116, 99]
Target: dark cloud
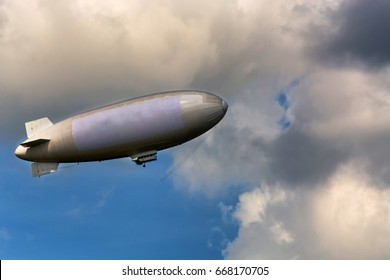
[359, 30]
[299, 159]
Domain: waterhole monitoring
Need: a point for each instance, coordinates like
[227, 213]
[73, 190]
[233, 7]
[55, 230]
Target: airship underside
[135, 128]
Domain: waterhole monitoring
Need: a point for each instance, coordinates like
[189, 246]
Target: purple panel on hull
[127, 123]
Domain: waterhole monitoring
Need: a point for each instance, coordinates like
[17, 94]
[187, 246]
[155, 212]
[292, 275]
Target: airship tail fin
[35, 142]
[34, 127]
[43, 168]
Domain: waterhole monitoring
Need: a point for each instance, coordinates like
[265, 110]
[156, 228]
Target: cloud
[253, 205]
[280, 234]
[355, 31]
[82, 54]
[262, 233]
[352, 215]
[69, 45]
[346, 217]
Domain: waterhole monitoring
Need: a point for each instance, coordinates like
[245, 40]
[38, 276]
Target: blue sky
[297, 169]
[107, 210]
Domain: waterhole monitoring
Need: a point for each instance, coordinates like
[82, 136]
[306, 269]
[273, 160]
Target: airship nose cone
[225, 106]
[20, 152]
[215, 109]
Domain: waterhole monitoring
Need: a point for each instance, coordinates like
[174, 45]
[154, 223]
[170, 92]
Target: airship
[136, 128]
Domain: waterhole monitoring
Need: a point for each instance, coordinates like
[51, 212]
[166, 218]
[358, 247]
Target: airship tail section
[36, 126]
[43, 168]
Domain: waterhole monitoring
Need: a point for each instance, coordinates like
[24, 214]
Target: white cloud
[347, 217]
[352, 215]
[253, 205]
[262, 233]
[281, 235]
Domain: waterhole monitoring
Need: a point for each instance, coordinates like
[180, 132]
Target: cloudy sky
[298, 169]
